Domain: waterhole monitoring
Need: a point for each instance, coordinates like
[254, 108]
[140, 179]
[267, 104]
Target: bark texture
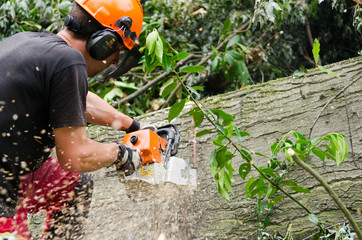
[267, 112]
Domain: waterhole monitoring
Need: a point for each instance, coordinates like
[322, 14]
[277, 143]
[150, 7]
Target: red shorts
[50, 188]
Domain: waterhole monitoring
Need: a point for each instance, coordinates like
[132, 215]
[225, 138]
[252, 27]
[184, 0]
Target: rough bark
[267, 112]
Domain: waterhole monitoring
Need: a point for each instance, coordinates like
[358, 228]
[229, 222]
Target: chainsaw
[159, 163]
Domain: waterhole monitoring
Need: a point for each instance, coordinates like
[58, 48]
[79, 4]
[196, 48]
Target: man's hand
[136, 125]
[128, 160]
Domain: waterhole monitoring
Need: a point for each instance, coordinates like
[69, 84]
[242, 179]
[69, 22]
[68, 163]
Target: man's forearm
[99, 112]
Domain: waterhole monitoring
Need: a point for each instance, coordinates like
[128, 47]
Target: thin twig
[153, 82]
[348, 123]
[309, 34]
[330, 100]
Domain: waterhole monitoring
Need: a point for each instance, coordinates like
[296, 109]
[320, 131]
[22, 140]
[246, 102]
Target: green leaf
[229, 58]
[236, 55]
[338, 149]
[300, 189]
[166, 61]
[218, 141]
[193, 69]
[223, 157]
[245, 155]
[192, 90]
[215, 64]
[319, 153]
[314, 219]
[266, 221]
[258, 190]
[254, 185]
[270, 191]
[242, 72]
[224, 194]
[287, 155]
[227, 118]
[198, 88]
[151, 41]
[227, 181]
[244, 169]
[176, 109]
[229, 130]
[232, 41]
[268, 171]
[159, 49]
[289, 183]
[220, 128]
[300, 73]
[248, 186]
[198, 116]
[180, 56]
[126, 85]
[316, 49]
[328, 71]
[203, 132]
[315, 141]
[227, 25]
[298, 135]
[274, 201]
[115, 92]
[167, 89]
[239, 134]
[275, 148]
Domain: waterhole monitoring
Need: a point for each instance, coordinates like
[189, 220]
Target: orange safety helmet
[108, 12]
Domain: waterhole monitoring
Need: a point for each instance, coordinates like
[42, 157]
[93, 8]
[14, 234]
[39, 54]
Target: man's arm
[77, 153]
[99, 112]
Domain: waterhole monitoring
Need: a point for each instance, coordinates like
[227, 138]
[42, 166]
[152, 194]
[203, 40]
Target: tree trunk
[267, 112]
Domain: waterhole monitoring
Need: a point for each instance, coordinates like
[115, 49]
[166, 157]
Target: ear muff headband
[102, 44]
[73, 25]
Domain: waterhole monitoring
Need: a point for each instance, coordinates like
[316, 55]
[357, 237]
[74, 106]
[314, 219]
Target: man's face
[98, 66]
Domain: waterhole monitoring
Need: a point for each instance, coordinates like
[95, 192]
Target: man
[44, 102]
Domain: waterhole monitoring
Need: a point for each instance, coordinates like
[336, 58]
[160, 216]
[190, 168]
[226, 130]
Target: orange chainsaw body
[150, 145]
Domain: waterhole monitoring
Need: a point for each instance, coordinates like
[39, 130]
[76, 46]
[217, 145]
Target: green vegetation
[237, 42]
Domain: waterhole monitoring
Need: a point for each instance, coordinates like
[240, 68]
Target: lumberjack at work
[44, 102]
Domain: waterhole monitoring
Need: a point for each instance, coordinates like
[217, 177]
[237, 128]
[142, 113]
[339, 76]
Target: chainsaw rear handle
[172, 137]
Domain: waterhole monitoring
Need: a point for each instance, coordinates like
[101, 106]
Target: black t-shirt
[43, 85]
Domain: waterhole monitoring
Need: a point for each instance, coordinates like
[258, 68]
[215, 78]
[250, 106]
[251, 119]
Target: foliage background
[276, 44]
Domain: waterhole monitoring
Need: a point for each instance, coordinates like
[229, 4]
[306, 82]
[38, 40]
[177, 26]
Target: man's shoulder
[49, 45]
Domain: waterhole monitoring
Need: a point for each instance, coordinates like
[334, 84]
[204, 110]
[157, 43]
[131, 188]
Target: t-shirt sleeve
[67, 97]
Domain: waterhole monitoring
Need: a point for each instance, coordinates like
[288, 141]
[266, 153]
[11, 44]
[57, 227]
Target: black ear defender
[102, 44]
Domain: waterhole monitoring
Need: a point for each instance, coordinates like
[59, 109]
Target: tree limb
[205, 59]
[153, 82]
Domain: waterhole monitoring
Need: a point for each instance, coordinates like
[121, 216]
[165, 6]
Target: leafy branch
[269, 179]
